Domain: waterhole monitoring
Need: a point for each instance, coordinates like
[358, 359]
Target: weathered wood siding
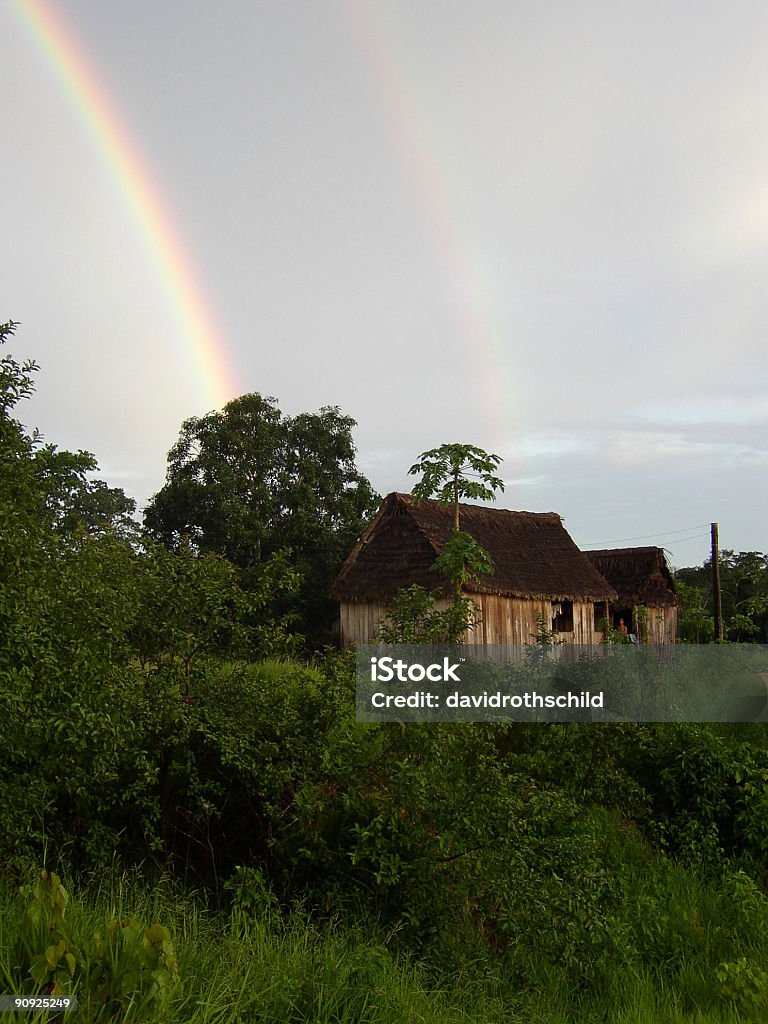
[513, 620]
[504, 620]
[662, 625]
[360, 622]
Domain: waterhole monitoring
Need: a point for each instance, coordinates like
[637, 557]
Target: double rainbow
[398, 88]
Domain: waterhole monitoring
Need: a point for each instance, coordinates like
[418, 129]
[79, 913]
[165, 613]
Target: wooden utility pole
[716, 584]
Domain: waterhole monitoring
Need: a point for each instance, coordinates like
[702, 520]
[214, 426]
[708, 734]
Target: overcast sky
[537, 227]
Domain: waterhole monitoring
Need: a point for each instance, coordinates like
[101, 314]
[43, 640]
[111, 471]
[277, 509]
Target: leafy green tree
[414, 618]
[462, 560]
[100, 636]
[193, 606]
[67, 604]
[54, 488]
[455, 471]
[248, 482]
[23, 535]
[15, 379]
[78, 503]
[696, 625]
[450, 473]
[744, 595]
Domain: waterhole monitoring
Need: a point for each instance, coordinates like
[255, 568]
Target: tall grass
[239, 968]
[695, 952]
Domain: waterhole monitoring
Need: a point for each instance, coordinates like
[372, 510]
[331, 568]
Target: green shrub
[709, 795]
[125, 969]
[745, 985]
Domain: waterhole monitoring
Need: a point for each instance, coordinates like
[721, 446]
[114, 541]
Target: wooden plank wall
[360, 622]
[512, 620]
[662, 625]
[505, 620]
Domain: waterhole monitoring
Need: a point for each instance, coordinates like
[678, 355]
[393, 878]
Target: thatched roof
[532, 553]
[640, 575]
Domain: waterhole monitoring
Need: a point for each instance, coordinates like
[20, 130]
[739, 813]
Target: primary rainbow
[205, 348]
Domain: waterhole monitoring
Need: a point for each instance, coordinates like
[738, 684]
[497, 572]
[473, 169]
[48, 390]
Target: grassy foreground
[243, 965]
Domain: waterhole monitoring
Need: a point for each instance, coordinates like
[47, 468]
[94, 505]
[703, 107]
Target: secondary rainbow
[205, 350]
[404, 104]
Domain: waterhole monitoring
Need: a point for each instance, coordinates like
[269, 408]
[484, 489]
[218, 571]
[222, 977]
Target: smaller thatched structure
[647, 599]
[539, 571]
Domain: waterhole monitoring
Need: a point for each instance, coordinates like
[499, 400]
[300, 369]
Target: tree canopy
[744, 594]
[455, 471]
[248, 482]
[449, 473]
[57, 485]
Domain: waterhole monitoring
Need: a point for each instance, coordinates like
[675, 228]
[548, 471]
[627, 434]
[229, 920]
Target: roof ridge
[412, 502]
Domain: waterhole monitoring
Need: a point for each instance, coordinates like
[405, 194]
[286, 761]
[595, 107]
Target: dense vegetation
[248, 483]
[193, 827]
[744, 598]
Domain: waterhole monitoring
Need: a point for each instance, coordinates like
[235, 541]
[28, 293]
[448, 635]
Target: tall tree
[455, 471]
[449, 473]
[247, 482]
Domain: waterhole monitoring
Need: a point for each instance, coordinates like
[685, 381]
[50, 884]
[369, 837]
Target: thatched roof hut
[639, 575]
[643, 580]
[536, 563]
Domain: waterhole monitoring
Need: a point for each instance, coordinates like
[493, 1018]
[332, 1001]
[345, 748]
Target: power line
[649, 536]
[695, 536]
